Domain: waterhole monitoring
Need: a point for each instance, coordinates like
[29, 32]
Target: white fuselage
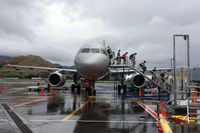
[92, 61]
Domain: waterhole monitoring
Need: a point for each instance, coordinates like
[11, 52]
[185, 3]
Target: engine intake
[56, 79]
[138, 80]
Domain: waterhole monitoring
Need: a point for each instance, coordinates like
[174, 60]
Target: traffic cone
[164, 113]
[157, 125]
[3, 88]
[193, 98]
[164, 110]
[159, 128]
[196, 95]
[163, 103]
[140, 93]
[42, 92]
[51, 91]
[161, 110]
[151, 91]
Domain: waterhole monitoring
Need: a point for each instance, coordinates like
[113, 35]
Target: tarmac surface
[73, 113]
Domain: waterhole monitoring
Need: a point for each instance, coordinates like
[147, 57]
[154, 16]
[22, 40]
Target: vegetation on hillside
[29, 60]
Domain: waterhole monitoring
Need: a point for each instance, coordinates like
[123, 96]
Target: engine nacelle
[137, 80]
[56, 79]
[106, 76]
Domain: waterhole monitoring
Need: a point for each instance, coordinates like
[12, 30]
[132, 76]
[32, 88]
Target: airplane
[92, 62]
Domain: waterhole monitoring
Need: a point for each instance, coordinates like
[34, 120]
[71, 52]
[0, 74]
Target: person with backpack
[143, 66]
[132, 58]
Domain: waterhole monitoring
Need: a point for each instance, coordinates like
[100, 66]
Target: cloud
[158, 21]
[55, 29]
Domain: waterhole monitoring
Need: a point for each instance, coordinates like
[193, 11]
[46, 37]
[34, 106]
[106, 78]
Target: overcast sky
[55, 29]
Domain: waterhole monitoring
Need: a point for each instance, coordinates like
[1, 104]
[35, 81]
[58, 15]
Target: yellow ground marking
[92, 96]
[70, 115]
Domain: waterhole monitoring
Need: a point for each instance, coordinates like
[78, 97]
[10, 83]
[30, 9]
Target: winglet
[8, 65]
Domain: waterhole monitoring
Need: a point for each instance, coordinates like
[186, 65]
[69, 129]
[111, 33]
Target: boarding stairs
[129, 67]
[193, 104]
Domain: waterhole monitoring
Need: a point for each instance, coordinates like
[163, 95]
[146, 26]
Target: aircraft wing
[160, 69]
[170, 69]
[44, 68]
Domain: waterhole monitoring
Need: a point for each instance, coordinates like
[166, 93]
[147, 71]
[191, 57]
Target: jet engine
[137, 80]
[106, 76]
[56, 79]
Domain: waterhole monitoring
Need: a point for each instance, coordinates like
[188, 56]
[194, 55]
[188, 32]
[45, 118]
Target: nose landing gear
[76, 88]
[90, 88]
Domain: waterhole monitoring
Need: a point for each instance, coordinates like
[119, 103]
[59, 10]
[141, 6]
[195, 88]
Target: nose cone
[92, 66]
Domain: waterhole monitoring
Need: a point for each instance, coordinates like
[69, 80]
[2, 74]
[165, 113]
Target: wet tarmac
[72, 113]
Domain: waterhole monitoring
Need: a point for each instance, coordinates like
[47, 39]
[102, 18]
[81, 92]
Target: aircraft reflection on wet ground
[99, 115]
[66, 112]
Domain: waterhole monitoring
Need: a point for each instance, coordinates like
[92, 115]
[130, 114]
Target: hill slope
[2, 58]
[29, 60]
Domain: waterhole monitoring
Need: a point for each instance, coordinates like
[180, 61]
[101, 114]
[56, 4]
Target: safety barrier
[164, 124]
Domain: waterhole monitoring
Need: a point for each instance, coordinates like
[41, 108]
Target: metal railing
[121, 61]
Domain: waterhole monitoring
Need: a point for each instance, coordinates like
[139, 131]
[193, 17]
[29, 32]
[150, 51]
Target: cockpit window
[103, 51]
[95, 50]
[85, 50]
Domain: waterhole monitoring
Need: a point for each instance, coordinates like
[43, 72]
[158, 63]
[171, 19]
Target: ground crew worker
[87, 83]
[118, 57]
[124, 57]
[143, 66]
[132, 58]
[38, 89]
[38, 83]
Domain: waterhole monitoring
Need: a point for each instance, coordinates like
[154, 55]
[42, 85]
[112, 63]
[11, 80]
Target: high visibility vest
[87, 83]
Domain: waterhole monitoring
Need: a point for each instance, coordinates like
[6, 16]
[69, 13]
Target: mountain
[64, 67]
[3, 58]
[29, 60]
